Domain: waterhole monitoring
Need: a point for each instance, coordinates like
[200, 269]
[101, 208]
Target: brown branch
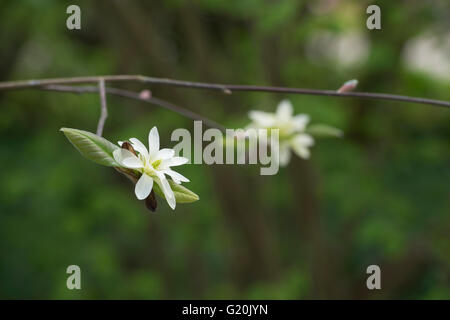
[136, 96]
[104, 109]
[14, 85]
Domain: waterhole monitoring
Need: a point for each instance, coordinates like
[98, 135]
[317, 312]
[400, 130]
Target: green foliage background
[379, 196]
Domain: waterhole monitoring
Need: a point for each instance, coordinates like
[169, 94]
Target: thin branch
[104, 109]
[136, 96]
[14, 85]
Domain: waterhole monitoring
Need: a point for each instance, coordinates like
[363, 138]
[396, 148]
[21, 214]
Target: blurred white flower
[319, 7]
[154, 164]
[291, 130]
[429, 54]
[346, 50]
[282, 119]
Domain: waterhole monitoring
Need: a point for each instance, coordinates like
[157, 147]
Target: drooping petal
[262, 119]
[285, 110]
[302, 152]
[153, 142]
[120, 143]
[143, 187]
[165, 187]
[303, 139]
[300, 121]
[164, 154]
[176, 177]
[139, 147]
[300, 144]
[127, 159]
[175, 161]
[285, 154]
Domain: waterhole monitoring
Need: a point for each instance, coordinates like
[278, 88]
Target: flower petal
[132, 162]
[175, 161]
[302, 139]
[143, 187]
[164, 154]
[300, 121]
[300, 144]
[262, 119]
[302, 152]
[153, 142]
[285, 110]
[117, 154]
[127, 159]
[165, 187]
[139, 147]
[176, 177]
[285, 155]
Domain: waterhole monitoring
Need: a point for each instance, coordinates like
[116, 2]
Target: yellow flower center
[156, 164]
[150, 168]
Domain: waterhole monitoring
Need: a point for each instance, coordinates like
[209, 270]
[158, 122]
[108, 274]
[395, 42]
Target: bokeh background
[379, 196]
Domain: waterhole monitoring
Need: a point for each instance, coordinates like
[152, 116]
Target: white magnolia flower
[282, 119]
[154, 164]
[291, 130]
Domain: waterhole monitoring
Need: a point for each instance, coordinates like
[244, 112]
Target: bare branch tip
[348, 86]
[145, 94]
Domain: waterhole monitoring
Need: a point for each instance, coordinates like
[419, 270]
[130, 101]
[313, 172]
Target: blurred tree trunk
[255, 256]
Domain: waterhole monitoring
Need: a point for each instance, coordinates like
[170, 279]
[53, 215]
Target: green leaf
[92, 146]
[182, 194]
[323, 130]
